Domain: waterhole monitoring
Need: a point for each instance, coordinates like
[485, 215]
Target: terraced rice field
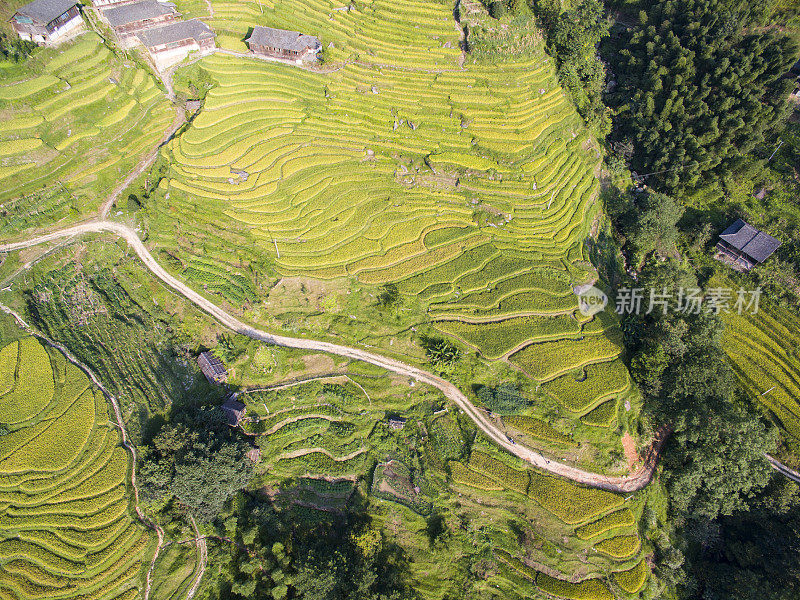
[65, 524]
[763, 350]
[322, 153]
[601, 519]
[470, 189]
[71, 128]
[405, 34]
[310, 431]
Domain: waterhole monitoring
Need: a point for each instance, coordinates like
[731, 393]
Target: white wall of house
[166, 58]
[107, 3]
[64, 29]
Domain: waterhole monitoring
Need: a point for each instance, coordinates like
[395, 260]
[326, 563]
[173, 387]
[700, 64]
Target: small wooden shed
[234, 411]
[212, 368]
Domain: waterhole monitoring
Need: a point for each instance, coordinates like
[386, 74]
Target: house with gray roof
[103, 4]
[212, 368]
[170, 44]
[742, 246]
[281, 43]
[128, 19]
[47, 21]
[233, 411]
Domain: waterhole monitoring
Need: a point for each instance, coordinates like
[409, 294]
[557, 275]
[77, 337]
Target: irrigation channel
[621, 484]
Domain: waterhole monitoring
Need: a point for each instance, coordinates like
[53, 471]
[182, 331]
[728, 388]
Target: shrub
[14, 49]
[440, 352]
[497, 9]
[388, 296]
[503, 399]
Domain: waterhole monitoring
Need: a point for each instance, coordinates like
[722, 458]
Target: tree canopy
[715, 459]
[696, 91]
[197, 459]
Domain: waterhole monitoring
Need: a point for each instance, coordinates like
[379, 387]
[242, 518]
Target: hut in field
[170, 44]
[47, 22]
[397, 423]
[234, 411]
[128, 19]
[281, 43]
[212, 368]
[742, 246]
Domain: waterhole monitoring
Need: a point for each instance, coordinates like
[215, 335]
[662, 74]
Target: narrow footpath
[120, 424]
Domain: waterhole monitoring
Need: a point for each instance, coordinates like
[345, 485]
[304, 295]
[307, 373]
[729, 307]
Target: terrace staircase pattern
[622, 484]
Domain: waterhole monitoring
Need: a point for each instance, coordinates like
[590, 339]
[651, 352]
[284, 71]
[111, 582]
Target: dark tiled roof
[44, 11]
[175, 32]
[212, 367]
[761, 246]
[138, 11]
[738, 234]
[749, 240]
[233, 410]
[283, 39]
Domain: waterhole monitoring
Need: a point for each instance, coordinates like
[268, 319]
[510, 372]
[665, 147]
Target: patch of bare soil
[631, 454]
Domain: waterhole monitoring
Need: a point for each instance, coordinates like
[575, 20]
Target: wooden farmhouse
[103, 4]
[234, 411]
[280, 43]
[129, 19]
[170, 44]
[47, 21]
[212, 368]
[742, 246]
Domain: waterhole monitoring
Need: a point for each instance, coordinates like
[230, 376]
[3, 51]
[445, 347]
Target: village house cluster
[159, 27]
[156, 25]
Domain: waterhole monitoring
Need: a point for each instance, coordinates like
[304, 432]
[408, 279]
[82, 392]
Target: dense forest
[695, 91]
[699, 93]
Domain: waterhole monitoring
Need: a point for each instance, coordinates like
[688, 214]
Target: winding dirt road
[625, 484]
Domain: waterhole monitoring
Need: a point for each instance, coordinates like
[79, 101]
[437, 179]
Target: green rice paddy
[67, 531]
[71, 129]
[469, 188]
